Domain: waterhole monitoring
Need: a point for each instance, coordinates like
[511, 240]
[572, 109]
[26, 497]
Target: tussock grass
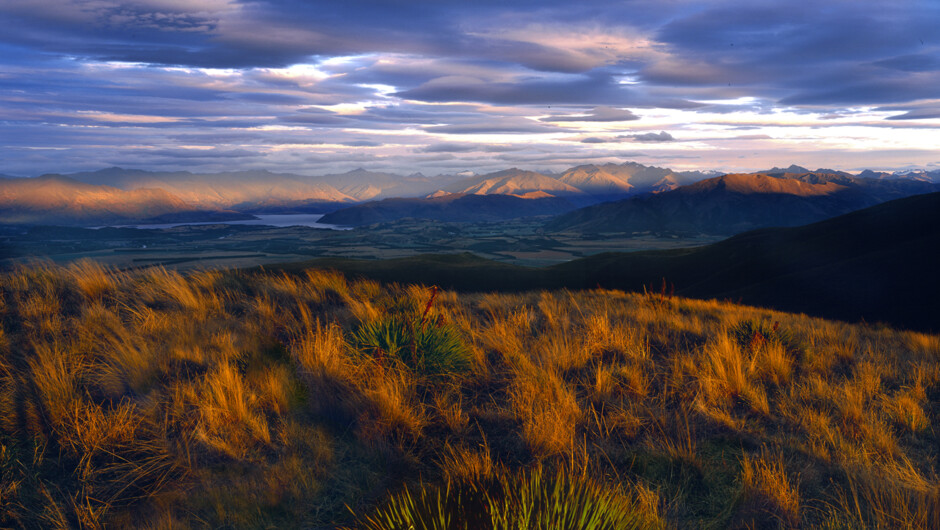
[768, 491]
[225, 399]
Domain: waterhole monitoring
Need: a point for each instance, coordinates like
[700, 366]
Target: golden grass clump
[460, 463]
[231, 419]
[548, 411]
[93, 280]
[390, 409]
[895, 496]
[729, 376]
[768, 491]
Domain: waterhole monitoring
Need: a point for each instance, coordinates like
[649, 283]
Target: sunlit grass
[226, 399]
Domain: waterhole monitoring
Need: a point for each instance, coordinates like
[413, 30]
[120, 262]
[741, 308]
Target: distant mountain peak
[792, 169]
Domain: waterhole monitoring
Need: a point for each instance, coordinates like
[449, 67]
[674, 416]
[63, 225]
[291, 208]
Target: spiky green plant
[427, 348]
[453, 506]
[535, 499]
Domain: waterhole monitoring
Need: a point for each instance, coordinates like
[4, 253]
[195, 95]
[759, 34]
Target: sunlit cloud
[123, 118]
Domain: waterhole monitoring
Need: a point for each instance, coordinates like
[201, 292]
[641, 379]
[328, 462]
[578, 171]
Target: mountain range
[734, 203]
[627, 197]
[487, 197]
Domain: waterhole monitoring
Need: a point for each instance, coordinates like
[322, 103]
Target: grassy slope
[227, 399]
[876, 264]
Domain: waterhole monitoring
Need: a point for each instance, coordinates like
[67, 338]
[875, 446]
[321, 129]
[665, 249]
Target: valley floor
[520, 242]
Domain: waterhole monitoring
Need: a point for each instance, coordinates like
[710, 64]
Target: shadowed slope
[875, 264]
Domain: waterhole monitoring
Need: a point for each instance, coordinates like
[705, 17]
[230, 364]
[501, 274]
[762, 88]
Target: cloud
[447, 147]
[869, 91]
[599, 114]
[504, 148]
[596, 87]
[495, 126]
[914, 62]
[202, 153]
[595, 140]
[918, 114]
[662, 136]
[317, 119]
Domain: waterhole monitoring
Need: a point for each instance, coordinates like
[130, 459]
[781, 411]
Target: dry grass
[152, 399]
[768, 491]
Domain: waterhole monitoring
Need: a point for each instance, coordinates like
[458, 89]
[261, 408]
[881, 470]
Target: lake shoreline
[275, 220]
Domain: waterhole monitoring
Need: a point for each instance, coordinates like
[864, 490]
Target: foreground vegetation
[233, 399]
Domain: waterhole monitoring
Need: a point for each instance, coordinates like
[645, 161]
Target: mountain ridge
[738, 202]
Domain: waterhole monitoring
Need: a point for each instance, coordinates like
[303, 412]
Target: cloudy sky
[443, 86]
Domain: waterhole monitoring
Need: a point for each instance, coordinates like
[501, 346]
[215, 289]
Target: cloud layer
[441, 86]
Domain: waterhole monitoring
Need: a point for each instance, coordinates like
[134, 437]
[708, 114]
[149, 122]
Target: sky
[442, 86]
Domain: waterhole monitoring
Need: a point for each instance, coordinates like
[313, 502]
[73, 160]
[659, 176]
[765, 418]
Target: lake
[281, 220]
